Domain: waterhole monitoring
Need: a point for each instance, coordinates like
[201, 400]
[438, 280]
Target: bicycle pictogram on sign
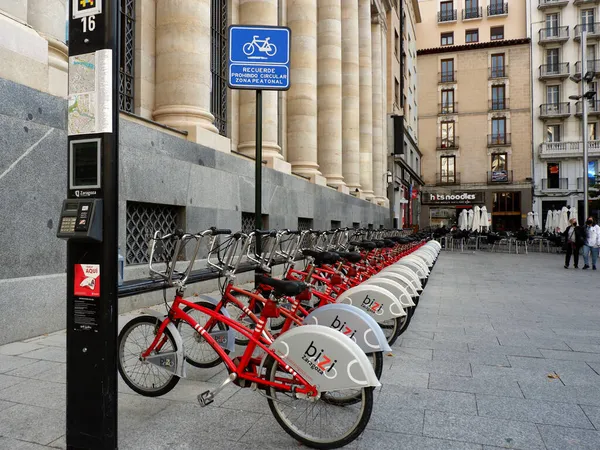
[261, 45]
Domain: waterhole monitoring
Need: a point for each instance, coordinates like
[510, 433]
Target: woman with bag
[574, 240]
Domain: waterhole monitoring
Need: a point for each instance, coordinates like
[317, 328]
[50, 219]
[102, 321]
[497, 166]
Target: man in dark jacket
[574, 240]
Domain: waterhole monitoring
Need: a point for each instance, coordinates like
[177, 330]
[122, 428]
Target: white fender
[179, 367]
[399, 278]
[426, 255]
[435, 244]
[416, 267]
[380, 303]
[422, 256]
[230, 344]
[395, 288]
[409, 272]
[326, 358]
[422, 264]
[355, 323]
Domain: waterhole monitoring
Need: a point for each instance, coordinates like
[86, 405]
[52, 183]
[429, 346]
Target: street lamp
[587, 76]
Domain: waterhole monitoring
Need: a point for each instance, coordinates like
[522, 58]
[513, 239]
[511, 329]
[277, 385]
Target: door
[447, 170]
[447, 134]
[498, 97]
[552, 99]
[552, 25]
[447, 70]
[553, 175]
[498, 65]
[447, 101]
[587, 20]
[552, 66]
[499, 131]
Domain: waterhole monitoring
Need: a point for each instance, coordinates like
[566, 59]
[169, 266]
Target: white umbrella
[463, 220]
[485, 219]
[564, 219]
[555, 220]
[536, 220]
[470, 219]
[530, 222]
[476, 226]
[573, 213]
[549, 220]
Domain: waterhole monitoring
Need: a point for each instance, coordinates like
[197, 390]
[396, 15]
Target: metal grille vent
[126, 78]
[335, 224]
[304, 223]
[248, 222]
[143, 219]
[218, 64]
[356, 225]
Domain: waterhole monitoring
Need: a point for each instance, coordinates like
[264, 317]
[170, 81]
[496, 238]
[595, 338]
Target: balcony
[593, 184]
[472, 13]
[554, 35]
[500, 177]
[585, 2]
[593, 65]
[497, 72]
[447, 143]
[555, 184]
[448, 108]
[574, 149]
[593, 30]
[554, 71]
[447, 77]
[498, 140]
[446, 16]
[447, 179]
[593, 108]
[497, 9]
[555, 110]
[499, 104]
[543, 4]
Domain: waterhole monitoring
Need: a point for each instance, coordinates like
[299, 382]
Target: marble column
[183, 77]
[377, 108]
[48, 18]
[366, 98]
[350, 95]
[384, 112]
[258, 12]
[329, 73]
[302, 96]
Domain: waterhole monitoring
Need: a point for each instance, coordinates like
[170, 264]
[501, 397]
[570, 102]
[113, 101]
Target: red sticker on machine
[87, 280]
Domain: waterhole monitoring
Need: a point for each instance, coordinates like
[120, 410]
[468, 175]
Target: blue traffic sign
[259, 57]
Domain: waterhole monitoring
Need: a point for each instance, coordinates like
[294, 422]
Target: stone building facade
[475, 112]
[187, 141]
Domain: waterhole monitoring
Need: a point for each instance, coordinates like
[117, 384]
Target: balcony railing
[447, 143]
[556, 70]
[446, 16]
[549, 110]
[498, 104]
[500, 177]
[573, 149]
[593, 107]
[584, 2]
[498, 72]
[448, 76]
[549, 184]
[554, 34]
[447, 179]
[593, 65]
[498, 139]
[593, 30]
[497, 9]
[551, 3]
[593, 183]
[448, 107]
[472, 13]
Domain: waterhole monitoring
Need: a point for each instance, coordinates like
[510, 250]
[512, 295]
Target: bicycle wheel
[271, 50]
[140, 375]
[248, 48]
[198, 352]
[391, 328]
[317, 423]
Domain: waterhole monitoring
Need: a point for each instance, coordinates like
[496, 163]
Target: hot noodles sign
[452, 198]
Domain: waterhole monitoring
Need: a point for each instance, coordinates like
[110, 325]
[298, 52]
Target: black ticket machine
[81, 214]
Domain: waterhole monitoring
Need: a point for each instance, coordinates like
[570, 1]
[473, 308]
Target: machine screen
[85, 164]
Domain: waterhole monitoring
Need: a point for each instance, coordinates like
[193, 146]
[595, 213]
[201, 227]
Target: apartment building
[555, 28]
[475, 110]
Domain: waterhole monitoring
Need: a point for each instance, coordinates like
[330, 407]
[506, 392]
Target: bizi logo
[319, 361]
[372, 306]
[337, 324]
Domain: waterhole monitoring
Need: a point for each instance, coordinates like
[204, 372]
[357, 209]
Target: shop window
[507, 202]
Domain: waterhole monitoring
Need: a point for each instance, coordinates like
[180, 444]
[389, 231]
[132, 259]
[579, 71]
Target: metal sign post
[89, 223]
[259, 59]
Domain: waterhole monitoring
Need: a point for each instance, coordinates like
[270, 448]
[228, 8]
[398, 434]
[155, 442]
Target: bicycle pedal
[206, 398]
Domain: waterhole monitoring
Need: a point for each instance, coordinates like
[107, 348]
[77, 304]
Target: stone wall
[156, 166]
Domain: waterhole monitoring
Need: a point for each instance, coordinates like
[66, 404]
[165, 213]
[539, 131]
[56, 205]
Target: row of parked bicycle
[312, 342]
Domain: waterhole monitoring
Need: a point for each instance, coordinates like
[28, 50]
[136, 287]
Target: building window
[496, 33]
[447, 134]
[553, 95]
[499, 131]
[498, 68]
[396, 93]
[553, 133]
[553, 175]
[446, 12]
[499, 162]
[552, 60]
[447, 106]
[498, 97]
[218, 64]
[471, 36]
[587, 20]
[447, 70]
[471, 9]
[127, 63]
[592, 131]
[447, 38]
[447, 169]
[507, 202]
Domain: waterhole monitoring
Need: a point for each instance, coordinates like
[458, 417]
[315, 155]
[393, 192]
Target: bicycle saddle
[389, 243]
[352, 257]
[364, 245]
[282, 287]
[322, 257]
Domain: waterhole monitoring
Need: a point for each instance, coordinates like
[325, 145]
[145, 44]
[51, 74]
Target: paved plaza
[503, 352]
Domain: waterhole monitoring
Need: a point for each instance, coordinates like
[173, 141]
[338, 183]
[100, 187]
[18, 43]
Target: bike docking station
[259, 59]
[88, 222]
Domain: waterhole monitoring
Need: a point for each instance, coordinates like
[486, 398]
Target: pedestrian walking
[574, 240]
[592, 243]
